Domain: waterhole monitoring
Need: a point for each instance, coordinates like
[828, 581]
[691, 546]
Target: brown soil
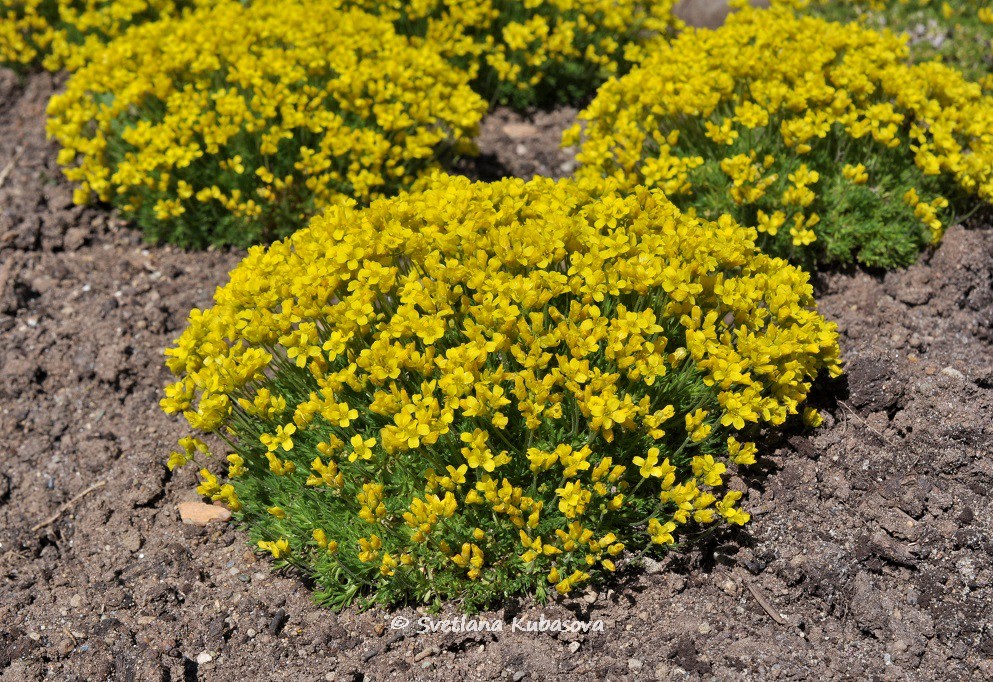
[870, 543]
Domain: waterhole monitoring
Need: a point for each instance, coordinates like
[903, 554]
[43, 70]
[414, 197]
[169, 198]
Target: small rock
[573, 647]
[203, 657]
[520, 675]
[520, 131]
[652, 567]
[75, 601]
[891, 550]
[131, 541]
[277, 622]
[953, 373]
[75, 239]
[634, 664]
[704, 628]
[200, 513]
[900, 525]
[430, 651]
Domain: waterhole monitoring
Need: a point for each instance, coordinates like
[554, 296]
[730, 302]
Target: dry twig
[766, 606]
[864, 423]
[54, 517]
[10, 165]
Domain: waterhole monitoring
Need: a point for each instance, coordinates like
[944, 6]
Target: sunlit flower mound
[820, 135]
[60, 33]
[488, 389]
[526, 52]
[234, 125]
[960, 32]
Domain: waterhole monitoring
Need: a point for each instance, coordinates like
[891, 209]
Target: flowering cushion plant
[234, 125]
[818, 134]
[959, 32]
[484, 389]
[526, 52]
[60, 33]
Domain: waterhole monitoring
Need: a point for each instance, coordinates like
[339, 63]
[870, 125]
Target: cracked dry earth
[868, 557]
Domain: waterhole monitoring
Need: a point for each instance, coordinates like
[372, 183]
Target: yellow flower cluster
[767, 119]
[532, 51]
[960, 32]
[484, 388]
[60, 33]
[235, 124]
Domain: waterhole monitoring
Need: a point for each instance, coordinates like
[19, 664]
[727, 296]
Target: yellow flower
[283, 438]
[280, 549]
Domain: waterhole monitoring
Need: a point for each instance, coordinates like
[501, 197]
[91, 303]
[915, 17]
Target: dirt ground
[868, 557]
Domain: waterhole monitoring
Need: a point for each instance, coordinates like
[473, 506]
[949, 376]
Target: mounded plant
[821, 135]
[527, 52]
[959, 32]
[234, 124]
[488, 389]
[60, 33]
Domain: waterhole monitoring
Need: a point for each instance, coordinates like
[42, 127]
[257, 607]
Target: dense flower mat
[485, 389]
[819, 134]
[234, 125]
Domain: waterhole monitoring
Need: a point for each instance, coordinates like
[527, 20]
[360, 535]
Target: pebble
[204, 657]
[75, 601]
[200, 513]
[520, 675]
[704, 628]
[520, 131]
[953, 373]
[652, 567]
[573, 647]
[251, 632]
[430, 651]
[634, 664]
[278, 621]
[132, 541]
